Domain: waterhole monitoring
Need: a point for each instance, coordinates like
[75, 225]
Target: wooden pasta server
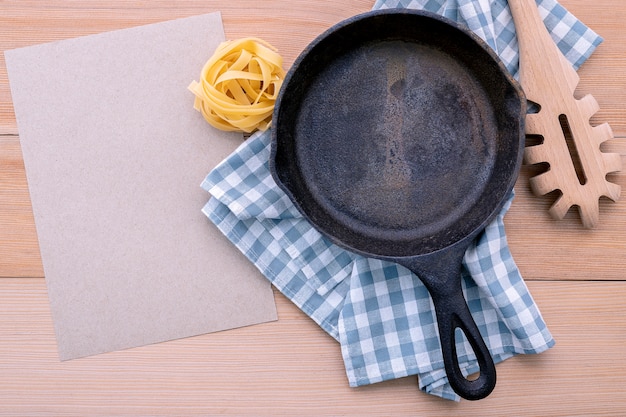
[577, 170]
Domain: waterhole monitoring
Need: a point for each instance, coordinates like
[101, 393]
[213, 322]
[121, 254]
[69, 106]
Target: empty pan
[399, 134]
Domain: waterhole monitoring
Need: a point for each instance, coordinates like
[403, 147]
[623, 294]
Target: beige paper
[115, 155]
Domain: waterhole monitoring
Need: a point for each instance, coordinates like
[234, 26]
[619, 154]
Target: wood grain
[291, 367]
[291, 25]
[288, 25]
[19, 250]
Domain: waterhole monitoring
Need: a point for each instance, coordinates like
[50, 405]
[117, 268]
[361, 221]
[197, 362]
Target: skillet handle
[452, 313]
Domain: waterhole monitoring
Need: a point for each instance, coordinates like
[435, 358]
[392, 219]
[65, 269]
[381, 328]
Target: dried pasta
[239, 85]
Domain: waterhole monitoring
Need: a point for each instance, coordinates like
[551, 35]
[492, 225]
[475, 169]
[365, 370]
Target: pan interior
[400, 142]
[394, 142]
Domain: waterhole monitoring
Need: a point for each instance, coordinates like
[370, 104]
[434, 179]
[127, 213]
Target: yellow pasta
[239, 85]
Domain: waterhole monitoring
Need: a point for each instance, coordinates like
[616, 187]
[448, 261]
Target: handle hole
[573, 150]
[473, 377]
[464, 352]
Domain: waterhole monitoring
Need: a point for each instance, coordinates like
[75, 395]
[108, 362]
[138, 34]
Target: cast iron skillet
[399, 134]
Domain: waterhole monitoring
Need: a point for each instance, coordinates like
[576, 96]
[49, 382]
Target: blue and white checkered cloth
[382, 314]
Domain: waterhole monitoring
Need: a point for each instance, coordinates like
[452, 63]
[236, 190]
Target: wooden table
[291, 367]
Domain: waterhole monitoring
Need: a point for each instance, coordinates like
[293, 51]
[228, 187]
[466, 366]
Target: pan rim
[393, 252]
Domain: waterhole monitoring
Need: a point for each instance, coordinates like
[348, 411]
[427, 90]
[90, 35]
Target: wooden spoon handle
[541, 61]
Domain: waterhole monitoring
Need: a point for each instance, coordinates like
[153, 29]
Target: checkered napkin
[382, 314]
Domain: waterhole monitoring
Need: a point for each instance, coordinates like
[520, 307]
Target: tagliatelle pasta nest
[239, 84]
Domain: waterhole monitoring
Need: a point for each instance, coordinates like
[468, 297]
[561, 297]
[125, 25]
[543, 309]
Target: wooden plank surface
[290, 26]
[291, 367]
